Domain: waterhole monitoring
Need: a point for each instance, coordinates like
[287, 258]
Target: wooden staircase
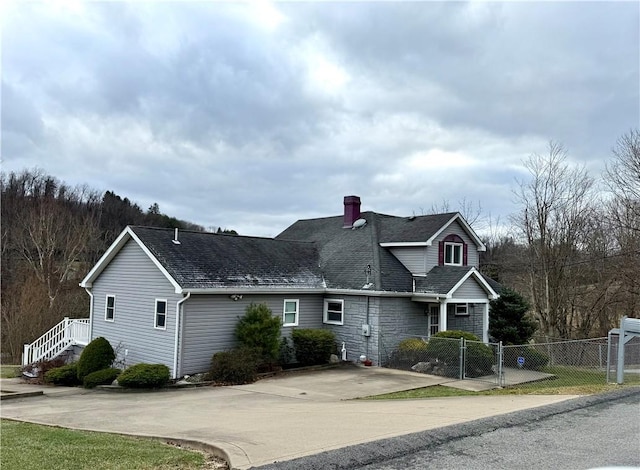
[69, 332]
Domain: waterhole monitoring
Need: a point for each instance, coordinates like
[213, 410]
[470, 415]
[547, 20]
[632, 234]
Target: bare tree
[52, 238]
[471, 212]
[556, 207]
[622, 214]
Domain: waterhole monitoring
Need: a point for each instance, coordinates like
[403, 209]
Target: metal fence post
[461, 361]
[500, 371]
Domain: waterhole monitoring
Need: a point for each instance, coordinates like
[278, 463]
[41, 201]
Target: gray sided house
[170, 297]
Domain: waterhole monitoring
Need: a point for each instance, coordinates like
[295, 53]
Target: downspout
[367, 337]
[90, 312]
[175, 348]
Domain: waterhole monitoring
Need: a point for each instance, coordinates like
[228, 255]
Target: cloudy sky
[253, 115]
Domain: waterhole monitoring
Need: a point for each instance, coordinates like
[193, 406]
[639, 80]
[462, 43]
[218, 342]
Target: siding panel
[471, 323]
[413, 258]
[136, 283]
[209, 322]
[470, 289]
[399, 318]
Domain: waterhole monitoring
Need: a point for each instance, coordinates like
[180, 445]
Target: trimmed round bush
[313, 346]
[66, 375]
[235, 367]
[144, 376]
[97, 355]
[101, 377]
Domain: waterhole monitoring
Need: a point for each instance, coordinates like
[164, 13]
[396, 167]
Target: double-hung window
[290, 312]
[161, 314]
[110, 308]
[453, 254]
[334, 311]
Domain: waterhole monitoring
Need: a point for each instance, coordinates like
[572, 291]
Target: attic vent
[175, 237]
[359, 223]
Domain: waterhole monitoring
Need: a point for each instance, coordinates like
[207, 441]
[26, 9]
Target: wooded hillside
[52, 234]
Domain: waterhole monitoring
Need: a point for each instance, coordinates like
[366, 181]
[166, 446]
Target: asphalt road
[584, 433]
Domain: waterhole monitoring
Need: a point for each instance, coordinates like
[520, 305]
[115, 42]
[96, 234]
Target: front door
[434, 319]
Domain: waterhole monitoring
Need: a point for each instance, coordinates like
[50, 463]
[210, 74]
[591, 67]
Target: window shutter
[464, 254]
[441, 253]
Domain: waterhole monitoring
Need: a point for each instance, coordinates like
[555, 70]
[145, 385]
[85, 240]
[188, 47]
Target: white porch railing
[67, 333]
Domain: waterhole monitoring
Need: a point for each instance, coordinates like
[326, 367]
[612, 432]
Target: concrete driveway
[275, 419]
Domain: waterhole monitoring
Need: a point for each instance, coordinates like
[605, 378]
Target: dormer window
[453, 254]
[452, 251]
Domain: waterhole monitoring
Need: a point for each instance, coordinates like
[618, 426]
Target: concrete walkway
[275, 419]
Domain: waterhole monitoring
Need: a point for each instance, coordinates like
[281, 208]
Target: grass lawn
[568, 381]
[7, 371]
[29, 446]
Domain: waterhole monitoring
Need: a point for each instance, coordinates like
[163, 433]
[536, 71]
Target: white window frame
[461, 310]
[326, 312]
[455, 246]
[296, 312]
[155, 314]
[106, 308]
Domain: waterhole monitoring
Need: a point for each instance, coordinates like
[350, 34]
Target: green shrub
[456, 334]
[412, 344]
[533, 359]
[313, 346]
[234, 367]
[409, 352]
[97, 355]
[479, 356]
[101, 377]
[66, 375]
[259, 330]
[144, 376]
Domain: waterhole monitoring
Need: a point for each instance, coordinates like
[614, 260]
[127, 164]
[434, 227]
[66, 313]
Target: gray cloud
[252, 116]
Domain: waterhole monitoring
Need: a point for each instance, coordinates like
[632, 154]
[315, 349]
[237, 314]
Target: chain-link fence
[551, 364]
[446, 357]
[631, 372]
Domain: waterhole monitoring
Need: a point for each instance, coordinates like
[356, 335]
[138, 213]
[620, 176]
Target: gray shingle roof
[345, 253]
[411, 229]
[441, 279]
[207, 260]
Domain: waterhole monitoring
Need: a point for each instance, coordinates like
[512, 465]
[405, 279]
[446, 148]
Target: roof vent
[175, 237]
[359, 223]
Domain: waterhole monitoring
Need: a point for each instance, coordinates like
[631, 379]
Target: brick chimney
[351, 210]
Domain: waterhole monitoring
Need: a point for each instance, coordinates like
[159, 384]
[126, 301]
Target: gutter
[177, 338]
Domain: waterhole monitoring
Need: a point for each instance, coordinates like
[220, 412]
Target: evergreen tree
[508, 320]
